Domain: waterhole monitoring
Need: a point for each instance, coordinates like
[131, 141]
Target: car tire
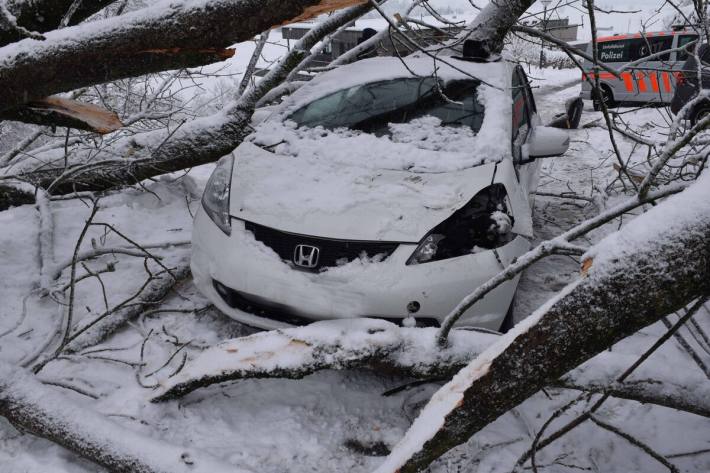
[699, 112]
[509, 320]
[607, 97]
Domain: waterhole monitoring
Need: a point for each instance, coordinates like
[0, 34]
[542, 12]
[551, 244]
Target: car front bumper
[358, 289]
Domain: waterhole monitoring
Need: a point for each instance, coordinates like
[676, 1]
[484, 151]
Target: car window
[521, 114]
[372, 107]
[532, 108]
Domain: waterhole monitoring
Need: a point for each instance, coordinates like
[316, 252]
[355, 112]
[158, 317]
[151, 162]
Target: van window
[613, 51]
[682, 41]
[634, 49]
[641, 47]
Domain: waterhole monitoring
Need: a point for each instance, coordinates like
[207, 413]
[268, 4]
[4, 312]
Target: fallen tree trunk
[385, 347]
[656, 265]
[38, 409]
[338, 344]
[200, 141]
[168, 35]
[494, 22]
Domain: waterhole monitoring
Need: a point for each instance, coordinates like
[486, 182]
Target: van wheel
[700, 112]
[607, 97]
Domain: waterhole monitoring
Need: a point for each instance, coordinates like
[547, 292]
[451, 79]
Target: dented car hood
[340, 201]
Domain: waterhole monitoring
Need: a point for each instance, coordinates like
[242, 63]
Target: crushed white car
[387, 188]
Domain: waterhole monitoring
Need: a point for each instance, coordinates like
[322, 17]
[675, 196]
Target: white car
[387, 188]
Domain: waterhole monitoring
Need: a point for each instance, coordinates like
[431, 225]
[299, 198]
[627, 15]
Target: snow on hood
[353, 185]
[314, 196]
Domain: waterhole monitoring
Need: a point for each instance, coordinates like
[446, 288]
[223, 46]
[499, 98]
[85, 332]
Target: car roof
[496, 74]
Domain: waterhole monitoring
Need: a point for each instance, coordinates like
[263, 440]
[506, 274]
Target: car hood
[312, 196]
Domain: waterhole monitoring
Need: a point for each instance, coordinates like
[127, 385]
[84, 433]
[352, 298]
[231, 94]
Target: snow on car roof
[424, 145]
[446, 68]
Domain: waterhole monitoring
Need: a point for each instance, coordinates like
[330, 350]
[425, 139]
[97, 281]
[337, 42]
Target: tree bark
[158, 38]
[495, 21]
[639, 275]
[35, 408]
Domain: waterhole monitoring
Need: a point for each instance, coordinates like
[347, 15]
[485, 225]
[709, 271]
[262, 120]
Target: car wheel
[607, 97]
[700, 112]
[509, 320]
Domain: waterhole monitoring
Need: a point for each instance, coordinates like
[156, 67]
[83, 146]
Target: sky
[607, 24]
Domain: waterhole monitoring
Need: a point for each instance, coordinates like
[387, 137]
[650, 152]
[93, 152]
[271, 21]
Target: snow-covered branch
[164, 36]
[339, 344]
[43, 411]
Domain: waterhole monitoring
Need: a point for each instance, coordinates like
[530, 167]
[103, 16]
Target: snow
[303, 425]
[279, 191]
[335, 344]
[419, 146]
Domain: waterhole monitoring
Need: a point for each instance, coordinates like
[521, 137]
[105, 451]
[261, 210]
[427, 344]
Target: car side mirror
[545, 142]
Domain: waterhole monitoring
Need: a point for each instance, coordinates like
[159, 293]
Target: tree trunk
[158, 38]
[200, 141]
[495, 21]
[655, 265]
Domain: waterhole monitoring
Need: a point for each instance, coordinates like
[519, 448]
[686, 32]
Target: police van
[651, 82]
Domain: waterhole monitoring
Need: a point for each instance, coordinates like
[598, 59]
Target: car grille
[330, 252]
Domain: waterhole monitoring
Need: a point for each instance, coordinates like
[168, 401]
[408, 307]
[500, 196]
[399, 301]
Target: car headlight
[215, 199]
[484, 223]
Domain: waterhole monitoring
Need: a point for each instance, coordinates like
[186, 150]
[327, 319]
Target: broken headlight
[484, 223]
[215, 199]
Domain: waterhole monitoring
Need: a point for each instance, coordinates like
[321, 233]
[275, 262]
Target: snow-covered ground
[329, 421]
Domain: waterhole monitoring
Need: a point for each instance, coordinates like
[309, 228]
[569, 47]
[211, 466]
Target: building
[344, 41]
[359, 31]
[559, 28]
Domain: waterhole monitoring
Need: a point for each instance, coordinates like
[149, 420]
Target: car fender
[505, 174]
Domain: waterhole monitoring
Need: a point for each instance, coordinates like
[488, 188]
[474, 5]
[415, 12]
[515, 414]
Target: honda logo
[306, 256]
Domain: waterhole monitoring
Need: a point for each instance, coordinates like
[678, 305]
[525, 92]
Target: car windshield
[372, 107]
